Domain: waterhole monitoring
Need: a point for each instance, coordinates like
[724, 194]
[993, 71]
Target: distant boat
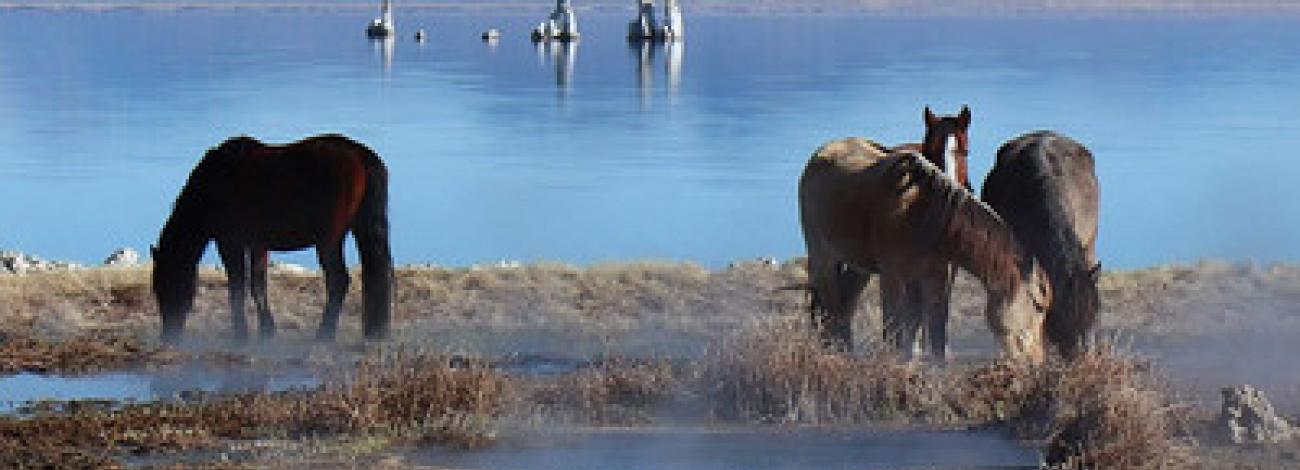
[562, 25]
[492, 34]
[382, 27]
[646, 28]
[643, 27]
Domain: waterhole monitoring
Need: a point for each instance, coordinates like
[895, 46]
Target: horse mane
[966, 230]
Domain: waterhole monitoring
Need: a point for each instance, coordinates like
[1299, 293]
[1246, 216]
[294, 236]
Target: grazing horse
[868, 210]
[1044, 185]
[252, 198]
[946, 146]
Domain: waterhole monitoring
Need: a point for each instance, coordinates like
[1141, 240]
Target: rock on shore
[1248, 418]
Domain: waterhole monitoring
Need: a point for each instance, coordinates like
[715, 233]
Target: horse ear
[930, 118]
[963, 119]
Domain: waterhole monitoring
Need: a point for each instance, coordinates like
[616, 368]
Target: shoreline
[1010, 9]
[16, 263]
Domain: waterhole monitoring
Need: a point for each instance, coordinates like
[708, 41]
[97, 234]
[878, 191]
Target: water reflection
[673, 64]
[384, 50]
[645, 52]
[176, 383]
[563, 55]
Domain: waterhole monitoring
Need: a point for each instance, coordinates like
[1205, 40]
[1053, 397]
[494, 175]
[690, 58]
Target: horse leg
[937, 295]
[235, 258]
[257, 268]
[901, 315]
[330, 255]
[376, 277]
[849, 284]
[822, 281]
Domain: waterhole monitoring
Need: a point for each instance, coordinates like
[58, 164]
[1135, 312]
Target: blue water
[601, 151]
[19, 390]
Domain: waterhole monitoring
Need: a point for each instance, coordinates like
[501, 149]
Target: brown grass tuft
[780, 373]
[402, 396]
[616, 392]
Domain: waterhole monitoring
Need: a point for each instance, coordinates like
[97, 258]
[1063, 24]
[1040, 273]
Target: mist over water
[723, 449]
[600, 151]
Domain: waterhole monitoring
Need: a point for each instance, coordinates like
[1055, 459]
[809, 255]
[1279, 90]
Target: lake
[601, 151]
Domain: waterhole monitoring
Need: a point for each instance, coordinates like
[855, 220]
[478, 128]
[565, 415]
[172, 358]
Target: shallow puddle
[751, 449]
[18, 391]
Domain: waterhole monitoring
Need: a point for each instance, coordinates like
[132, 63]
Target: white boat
[562, 25]
[646, 28]
[643, 27]
[382, 27]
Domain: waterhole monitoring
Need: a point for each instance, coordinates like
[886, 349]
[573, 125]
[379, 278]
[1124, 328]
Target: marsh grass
[1105, 410]
[398, 396]
[726, 345]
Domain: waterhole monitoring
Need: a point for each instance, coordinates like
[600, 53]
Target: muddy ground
[514, 348]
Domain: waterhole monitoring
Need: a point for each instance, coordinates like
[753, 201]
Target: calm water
[23, 389]
[601, 151]
[752, 449]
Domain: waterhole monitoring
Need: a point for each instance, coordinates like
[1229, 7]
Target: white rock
[123, 257]
[1249, 418]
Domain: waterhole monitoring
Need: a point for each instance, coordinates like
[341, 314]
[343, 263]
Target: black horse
[253, 198]
[1044, 186]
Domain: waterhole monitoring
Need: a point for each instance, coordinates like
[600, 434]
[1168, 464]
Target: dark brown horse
[866, 210]
[1044, 185]
[253, 198]
[906, 319]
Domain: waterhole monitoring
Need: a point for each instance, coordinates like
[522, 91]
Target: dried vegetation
[652, 339]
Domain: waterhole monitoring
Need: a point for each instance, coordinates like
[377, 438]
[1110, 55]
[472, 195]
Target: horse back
[1044, 184]
[849, 195]
[286, 196]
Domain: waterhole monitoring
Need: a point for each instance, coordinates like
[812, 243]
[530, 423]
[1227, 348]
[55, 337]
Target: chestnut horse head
[946, 144]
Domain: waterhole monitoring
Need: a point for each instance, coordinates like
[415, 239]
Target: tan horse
[1045, 186]
[866, 210]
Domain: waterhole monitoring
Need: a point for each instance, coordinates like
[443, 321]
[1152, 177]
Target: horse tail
[370, 228]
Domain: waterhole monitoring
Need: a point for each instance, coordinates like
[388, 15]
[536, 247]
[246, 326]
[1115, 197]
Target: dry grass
[617, 392]
[729, 346]
[1103, 411]
[401, 397]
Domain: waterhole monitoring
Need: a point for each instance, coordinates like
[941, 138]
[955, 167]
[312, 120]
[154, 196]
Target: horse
[252, 198]
[1045, 186]
[946, 145]
[866, 209]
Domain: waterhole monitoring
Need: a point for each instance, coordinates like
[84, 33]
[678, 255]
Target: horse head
[1076, 311]
[174, 279]
[946, 144]
[1018, 318]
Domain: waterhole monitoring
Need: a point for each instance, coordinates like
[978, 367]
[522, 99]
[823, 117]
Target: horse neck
[967, 231]
[184, 236]
[979, 241]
